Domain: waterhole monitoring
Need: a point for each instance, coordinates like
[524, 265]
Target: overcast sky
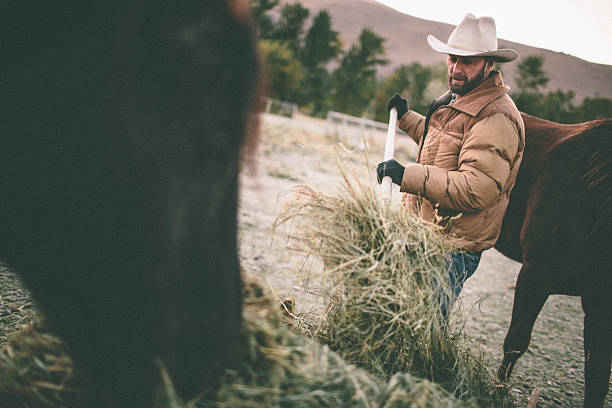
[581, 28]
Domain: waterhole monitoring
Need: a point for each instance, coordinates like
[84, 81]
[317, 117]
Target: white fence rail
[280, 107]
[344, 126]
[350, 130]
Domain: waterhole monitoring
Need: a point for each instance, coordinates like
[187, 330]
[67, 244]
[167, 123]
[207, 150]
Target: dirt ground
[304, 151]
[300, 151]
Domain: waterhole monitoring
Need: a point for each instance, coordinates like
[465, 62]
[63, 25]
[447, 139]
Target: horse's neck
[540, 135]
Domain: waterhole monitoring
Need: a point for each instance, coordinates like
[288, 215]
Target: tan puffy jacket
[467, 162]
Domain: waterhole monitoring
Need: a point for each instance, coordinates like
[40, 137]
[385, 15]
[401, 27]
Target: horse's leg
[528, 301]
[597, 348]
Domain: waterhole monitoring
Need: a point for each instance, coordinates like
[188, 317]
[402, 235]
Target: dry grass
[387, 274]
[282, 369]
[35, 371]
[277, 368]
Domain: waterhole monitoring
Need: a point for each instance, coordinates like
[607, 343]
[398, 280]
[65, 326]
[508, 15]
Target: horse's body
[559, 225]
[122, 128]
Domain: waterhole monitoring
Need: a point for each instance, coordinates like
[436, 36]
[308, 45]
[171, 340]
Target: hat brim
[500, 55]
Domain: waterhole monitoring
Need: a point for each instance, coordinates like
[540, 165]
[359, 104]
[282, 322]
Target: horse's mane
[580, 166]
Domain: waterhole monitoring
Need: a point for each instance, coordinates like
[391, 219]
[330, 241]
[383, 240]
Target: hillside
[406, 43]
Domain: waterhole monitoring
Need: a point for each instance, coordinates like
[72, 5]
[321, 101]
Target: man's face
[466, 73]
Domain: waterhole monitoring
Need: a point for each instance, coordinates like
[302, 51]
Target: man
[470, 147]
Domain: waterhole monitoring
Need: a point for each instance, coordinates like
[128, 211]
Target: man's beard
[467, 86]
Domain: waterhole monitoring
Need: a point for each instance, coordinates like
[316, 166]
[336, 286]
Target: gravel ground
[16, 307]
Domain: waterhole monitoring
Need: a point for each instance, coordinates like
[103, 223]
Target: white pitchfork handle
[387, 184]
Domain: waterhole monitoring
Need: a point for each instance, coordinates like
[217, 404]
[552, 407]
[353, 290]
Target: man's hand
[392, 169]
[398, 103]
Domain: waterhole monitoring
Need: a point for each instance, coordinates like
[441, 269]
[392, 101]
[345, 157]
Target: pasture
[300, 151]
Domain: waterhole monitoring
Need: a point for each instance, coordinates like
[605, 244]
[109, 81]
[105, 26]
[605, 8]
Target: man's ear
[489, 65]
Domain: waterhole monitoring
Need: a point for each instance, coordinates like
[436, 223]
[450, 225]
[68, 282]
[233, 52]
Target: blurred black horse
[122, 127]
[559, 225]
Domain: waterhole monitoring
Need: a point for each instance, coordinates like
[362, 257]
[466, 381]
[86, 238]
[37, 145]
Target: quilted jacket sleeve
[484, 168]
[413, 123]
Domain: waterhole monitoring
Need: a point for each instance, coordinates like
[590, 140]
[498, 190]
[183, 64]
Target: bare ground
[16, 307]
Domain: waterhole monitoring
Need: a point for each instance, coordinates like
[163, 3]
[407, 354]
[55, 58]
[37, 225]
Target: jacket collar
[490, 89]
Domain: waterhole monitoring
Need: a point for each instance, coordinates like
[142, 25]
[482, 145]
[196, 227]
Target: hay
[35, 371]
[387, 273]
[282, 369]
[277, 368]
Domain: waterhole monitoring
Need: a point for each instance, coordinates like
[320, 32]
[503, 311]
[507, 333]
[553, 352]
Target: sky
[581, 28]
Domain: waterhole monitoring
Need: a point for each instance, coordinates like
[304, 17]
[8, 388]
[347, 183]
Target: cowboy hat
[473, 37]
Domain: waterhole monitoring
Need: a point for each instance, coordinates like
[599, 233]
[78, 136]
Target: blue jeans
[460, 266]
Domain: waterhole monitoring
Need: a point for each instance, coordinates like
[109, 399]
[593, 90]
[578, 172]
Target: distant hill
[406, 43]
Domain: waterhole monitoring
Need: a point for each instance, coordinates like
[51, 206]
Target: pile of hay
[283, 369]
[35, 371]
[387, 272]
[277, 368]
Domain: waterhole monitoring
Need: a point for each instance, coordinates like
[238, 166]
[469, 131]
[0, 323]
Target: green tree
[297, 62]
[421, 77]
[263, 21]
[284, 72]
[591, 108]
[398, 82]
[531, 78]
[354, 81]
[316, 87]
[556, 106]
[531, 74]
[322, 43]
[410, 81]
[291, 26]
[280, 45]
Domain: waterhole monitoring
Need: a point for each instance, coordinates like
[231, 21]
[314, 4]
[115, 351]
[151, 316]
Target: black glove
[398, 103]
[392, 169]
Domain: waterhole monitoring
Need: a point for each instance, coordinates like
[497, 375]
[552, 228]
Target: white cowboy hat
[473, 37]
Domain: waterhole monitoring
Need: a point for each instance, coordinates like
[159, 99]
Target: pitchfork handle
[387, 184]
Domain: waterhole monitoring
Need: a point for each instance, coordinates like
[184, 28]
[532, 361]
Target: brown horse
[559, 225]
[122, 128]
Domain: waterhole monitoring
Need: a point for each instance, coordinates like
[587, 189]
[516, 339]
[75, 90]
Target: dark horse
[122, 127]
[559, 225]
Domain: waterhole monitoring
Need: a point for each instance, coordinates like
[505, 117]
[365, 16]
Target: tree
[284, 72]
[321, 43]
[531, 78]
[263, 21]
[316, 87]
[531, 75]
[291, 26]
[280, 45]
[592, 108]
[556, 106]
[410, 81]
[398, 82]
[420, 78]
[321, 46]
[297, 63]
[354, 81]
